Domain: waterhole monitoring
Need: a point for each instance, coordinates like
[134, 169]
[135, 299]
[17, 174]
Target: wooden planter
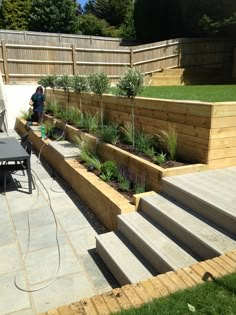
[102, 199]
[139, 168]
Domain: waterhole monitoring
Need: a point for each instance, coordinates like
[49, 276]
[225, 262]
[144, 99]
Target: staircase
[171, 230]
[187, 76]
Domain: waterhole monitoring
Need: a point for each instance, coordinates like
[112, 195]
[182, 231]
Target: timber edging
[135, 295]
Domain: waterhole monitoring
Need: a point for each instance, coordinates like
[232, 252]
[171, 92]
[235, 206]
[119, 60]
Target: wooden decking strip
[134, 295]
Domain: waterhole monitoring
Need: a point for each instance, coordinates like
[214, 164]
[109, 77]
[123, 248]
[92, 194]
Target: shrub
[52, 108]
[143, 142]
[73, 116]
[109, 168]
[26, 115]
[109, 134]
[124, 184]
[90, 122]
[139, 188]
[49, 125]
[159, 158]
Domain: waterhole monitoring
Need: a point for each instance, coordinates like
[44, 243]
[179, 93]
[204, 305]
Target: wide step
[200, 193]
[203, 239]
[161, 252]
[124, 265]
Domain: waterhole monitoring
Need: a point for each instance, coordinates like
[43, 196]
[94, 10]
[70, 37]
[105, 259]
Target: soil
[129, 148]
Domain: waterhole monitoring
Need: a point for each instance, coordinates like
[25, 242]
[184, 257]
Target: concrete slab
[7, 234]
[98, 272]
[10, 259]
[42, 265]
[162, 252]
[74, 281]
[203, 239]
[83, 240]
[22, 312]
[65, 290]
[121, 261]
[12, 299]
[65, 149]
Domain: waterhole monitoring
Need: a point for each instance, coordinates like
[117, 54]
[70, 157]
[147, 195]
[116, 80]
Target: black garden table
[11, 150]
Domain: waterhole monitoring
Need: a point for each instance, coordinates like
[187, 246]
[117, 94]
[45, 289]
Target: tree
[99, 84]
[53, 16]
[14, 14]
[80, 85]
[157, 19]
[129, 85]
[89, 7]
[113, 11]
[127, 28]
[89, 24]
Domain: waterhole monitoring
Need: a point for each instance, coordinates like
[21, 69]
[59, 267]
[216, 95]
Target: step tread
[173, 254]
[205, 186]
[201, 230]
[123, 257]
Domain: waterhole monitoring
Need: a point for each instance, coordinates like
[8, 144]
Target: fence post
[131, 58]
[5, 65]
[74, 59]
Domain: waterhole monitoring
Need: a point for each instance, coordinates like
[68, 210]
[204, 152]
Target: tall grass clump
[109, 134]
[88, 153]
[169, 139]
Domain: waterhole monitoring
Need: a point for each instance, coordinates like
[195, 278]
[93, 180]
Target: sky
[82, 2]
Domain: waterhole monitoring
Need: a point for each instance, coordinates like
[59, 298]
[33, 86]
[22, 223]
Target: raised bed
[151, 173]
[102, 199]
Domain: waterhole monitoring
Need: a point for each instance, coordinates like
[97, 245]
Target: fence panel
[30, 61]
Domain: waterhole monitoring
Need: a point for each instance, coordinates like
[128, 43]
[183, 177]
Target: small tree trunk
[81, 110]
[101, 104]
[132, 116]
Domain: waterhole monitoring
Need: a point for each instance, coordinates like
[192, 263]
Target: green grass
[205, 93]
[216, 297]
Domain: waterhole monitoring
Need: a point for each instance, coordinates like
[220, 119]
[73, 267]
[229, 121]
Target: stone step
[204, 240]
[158, 249]
[200, 193]
[121, 261]
[65, 148]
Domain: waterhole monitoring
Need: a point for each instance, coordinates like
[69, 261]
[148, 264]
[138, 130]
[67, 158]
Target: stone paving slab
[77, 278]
[13, 299]
[65, 149]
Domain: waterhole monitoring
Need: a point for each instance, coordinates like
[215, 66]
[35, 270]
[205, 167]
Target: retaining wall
[206, 131]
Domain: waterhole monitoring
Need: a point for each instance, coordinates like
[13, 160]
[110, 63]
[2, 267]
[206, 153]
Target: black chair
[18, 165]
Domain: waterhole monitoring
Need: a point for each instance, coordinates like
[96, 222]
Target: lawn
[206, 93]
[216, 297]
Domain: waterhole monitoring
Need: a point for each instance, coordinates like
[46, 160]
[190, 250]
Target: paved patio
[82, 273]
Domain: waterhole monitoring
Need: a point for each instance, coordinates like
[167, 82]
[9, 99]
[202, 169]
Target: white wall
[17, 101]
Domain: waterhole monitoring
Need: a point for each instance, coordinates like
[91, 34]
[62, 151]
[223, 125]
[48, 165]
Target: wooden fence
[28, 62]
[58, 38]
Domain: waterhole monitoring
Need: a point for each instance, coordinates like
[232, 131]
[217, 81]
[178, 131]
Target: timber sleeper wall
[206, 131]
[142, 171]
[109, 203]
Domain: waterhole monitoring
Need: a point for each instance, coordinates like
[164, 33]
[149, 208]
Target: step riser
[150, 255]
[110, 263]
[208, 211]
[197, 246]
